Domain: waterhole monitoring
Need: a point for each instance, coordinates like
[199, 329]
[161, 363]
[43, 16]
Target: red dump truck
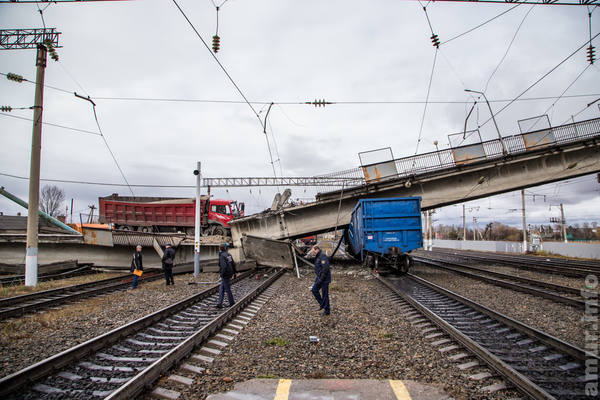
[168, 214]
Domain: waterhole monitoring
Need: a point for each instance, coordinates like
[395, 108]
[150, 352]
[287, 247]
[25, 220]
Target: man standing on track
[322, 280]
[227, 271]
[168, 259]
[137, 266]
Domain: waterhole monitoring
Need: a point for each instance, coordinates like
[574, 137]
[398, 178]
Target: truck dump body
[148, 211]
[386, 226]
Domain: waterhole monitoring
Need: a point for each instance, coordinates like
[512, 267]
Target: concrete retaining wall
[118, 256]
[582, 250]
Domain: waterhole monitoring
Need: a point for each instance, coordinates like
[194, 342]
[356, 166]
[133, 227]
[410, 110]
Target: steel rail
[559, 344]
[519, 380]
[532, 259]
[531, 265]
[149, 375]
[43, 368]
[504, 280]
[516, 378]
[569, 263]
[57, 291]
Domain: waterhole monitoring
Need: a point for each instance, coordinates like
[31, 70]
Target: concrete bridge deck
[446, 177]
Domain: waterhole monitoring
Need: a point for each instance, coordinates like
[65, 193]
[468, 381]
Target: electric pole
[524, 250]
[464, 225]
[563, 222]
[44, 40]
[430, 230]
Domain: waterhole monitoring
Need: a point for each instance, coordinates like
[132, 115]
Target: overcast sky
[366, 53]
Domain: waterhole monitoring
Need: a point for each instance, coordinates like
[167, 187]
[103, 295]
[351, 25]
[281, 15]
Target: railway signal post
[197, 226]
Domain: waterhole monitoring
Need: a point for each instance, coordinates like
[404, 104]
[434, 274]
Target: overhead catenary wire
[303, 103]
[105, 141]
[226, 73]
[433, 37]
[564, 91]
[508, 48]
[480, 25]
[541, 78]
[217, 60]
[51, 124]
[101, 183]
[426, 101]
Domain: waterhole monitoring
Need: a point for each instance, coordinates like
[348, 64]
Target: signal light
[591, 54]
[14, 77]
[435, 40]
[216, 43]
[6, 108]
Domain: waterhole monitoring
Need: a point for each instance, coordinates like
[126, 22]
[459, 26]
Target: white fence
[582, 250]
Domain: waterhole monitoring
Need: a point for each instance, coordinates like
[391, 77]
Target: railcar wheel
[145, 229]
[406, 262]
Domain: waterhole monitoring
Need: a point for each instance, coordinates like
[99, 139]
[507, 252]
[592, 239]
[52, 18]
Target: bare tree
[51, 200]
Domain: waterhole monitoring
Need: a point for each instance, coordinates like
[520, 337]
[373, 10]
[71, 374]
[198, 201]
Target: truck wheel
[406, 262]
[219, 230]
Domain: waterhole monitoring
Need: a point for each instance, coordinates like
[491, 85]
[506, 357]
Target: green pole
[42, 214]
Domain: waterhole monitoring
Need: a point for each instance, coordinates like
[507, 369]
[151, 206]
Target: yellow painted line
[399, 390]
[283, 389]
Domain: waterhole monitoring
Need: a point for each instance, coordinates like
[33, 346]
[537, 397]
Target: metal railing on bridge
[412, 166]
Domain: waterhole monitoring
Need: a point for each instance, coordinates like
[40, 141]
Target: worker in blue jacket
[322, 280]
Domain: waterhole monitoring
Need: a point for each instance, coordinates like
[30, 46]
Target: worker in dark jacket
[226, 271]
[136, 265]
[322, 279]
[168, 260]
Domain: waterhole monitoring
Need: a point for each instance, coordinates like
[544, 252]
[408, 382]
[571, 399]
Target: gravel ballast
[365, 337]
[560, 320]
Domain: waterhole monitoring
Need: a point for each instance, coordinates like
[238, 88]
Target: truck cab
[221, 212]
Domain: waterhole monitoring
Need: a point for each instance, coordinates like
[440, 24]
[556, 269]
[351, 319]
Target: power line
[50, 124]
[480, 25]
[105, 141]
[508, 49]
[567, 88]
[278, 103]
[426, 101]
[217, 60]
[228, 76]
[540, 79]
[101, 183]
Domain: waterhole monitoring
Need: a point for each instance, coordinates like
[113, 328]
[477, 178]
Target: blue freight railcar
[383, 231]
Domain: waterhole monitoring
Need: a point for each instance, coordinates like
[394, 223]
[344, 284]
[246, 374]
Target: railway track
[558, 293]
[572, 268]
[120, 364]
[19, 279]
[537, 364]
[19, 305]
